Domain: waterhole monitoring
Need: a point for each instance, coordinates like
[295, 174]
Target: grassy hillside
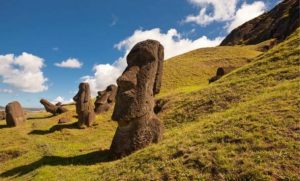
[243, 127]
[192, 70]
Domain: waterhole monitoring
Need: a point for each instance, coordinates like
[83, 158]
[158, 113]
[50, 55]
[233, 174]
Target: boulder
[63, 120]
[138, 125]
[15, 114]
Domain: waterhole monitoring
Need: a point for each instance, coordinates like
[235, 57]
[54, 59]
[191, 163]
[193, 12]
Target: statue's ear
[159, 72]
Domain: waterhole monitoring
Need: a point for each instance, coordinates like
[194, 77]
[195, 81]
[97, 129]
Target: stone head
[84, 93]
[45, 102]
[139, 82]
[107, 96]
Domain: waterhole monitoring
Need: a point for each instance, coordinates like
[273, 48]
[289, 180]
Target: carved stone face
[139, 82]
[83, 94]
[84, 105]
[107, 96]
[105, 99]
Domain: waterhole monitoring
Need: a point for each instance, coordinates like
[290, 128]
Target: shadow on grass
[42, 117]
[3, 126]
[55, 128]
[86, 159]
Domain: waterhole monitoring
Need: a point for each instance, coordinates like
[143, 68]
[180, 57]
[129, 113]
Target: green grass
[192, 70]
[245, 126]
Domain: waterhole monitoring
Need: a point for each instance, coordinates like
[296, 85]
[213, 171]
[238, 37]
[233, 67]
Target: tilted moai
[84, 106]
[105, 99]
[138, 126]
[15, 114]
[53, 109]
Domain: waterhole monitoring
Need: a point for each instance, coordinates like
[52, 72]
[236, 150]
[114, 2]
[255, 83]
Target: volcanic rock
[277, 24]
[51, 108]
[105, 99]
[84, 106]
[138, 126]
[63, 120]
[15, 114]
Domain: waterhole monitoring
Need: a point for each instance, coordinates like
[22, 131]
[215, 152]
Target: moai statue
[84, 106]
[105, 99]
[53, 109]
[15, 114]
[138, 126]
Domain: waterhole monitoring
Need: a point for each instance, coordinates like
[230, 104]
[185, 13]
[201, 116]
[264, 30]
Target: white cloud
[105, 74]
[62, 100]
[6, 91]
[69, 63]
[212, 10]
[246, 13]
[172, 41]
[23, 72]
[225, 11]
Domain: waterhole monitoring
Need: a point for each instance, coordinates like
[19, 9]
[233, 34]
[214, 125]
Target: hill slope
[243, 127]
[279, 23]
[192, 70]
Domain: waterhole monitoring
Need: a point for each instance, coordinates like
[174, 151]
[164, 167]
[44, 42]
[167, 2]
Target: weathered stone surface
[278, 23]
[84, 106]
[221, 71]
[2, 115]
[105, 99]
[138, 126]
[63, 120]
[58, 104]
[15, 114]
[51, 108]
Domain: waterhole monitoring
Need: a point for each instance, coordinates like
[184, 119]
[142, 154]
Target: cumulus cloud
[225, 11]
[105, 74]
[6, 91]
[246, 13]
[69, 63]
[62, 100]
[212, 10]
[23, 72]
[173, 42]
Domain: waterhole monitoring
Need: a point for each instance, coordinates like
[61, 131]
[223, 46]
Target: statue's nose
[104, 98]
[128, 79]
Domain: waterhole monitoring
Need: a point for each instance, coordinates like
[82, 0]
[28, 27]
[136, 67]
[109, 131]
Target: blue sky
[92, 38]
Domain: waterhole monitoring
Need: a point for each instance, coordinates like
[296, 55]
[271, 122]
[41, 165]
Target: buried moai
[53, 109]
[138, 126]
[221, 71]
[105, 99]
[84, 106]
[15, 114]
